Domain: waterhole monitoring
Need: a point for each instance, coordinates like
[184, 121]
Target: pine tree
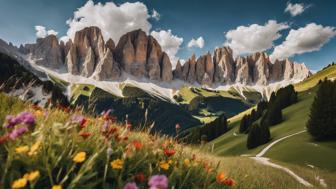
[253, 136]
[322, 120]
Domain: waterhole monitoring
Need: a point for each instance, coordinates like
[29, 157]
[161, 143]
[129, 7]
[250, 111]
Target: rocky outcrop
[140, 55]
[46, 52]
[224, 65]
[107, 69]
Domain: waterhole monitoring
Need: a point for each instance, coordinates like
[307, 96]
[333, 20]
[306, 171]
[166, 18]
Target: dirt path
[266, 161]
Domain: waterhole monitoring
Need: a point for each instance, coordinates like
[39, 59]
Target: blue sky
[209, 19]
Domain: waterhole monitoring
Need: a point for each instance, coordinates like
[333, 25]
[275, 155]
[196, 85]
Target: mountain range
[141, 55]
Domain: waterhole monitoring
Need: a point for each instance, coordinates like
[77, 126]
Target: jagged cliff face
[141, 56]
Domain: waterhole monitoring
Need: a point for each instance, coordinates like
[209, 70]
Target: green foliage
[258, 135]
[322, 120]
[215, 128]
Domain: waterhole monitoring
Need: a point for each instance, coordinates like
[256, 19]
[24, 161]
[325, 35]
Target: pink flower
[177, 126]
[26, 118]
[17, 132]
[158, 182]
[131, 185]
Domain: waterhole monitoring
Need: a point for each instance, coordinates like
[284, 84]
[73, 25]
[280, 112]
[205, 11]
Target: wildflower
[57, 187]
[106, 115]
[79, 157]
[4, 138]
[11, 121]
[220, 177]
[22, 149]
[117, 164]
[81, 120]
[19, 183]
[85, 135]
[137, 144]
[177, 126]
[229, 182]
[164, 165]
[186, 162]
[158, 182]
[169, 152]
[32, 175]
[129, 126]
[38, 113]
[17, 132]
[34, 148]
[131, 185]
[105, 126]
[139, 177]
[26, 118]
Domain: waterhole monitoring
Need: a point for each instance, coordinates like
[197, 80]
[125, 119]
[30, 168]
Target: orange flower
[85, 135]
[220, 177]
[169, 152]
[229, 182]
[137, 144]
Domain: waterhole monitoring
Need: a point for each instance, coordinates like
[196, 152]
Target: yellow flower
[117, 164]
[32, 175]
[164, 165]
[38, 113]
[34, 148]
[186, 162]
[22, 149]
[79, 157]
[19, 183]
[57, 187]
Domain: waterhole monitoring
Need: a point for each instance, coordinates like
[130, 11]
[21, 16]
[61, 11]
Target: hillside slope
[299, 149]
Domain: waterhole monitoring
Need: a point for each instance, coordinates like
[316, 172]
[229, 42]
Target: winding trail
[266, 161]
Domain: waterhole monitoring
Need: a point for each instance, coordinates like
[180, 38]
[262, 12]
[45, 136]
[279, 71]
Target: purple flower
[158, 182]
[11, 121]
[105, 126]
[17, 132]
[26, 118]
[131, 185]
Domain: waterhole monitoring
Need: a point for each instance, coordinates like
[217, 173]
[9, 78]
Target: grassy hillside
[299, 150]
[328, 72]
[53, 161]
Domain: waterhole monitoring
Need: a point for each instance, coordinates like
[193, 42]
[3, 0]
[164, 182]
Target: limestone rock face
[277, 70]
[47, 52]
[288, 69]
[224, 65]
[191, 78]
[71, 61]
[166, 68]
[204, 65]
[178, 71]
[301, 71]
[89, 63]
[242, 71]
[261, 70]
[107, 69]
[141, 55]
[110, 44]
[185, 70]
[200, 69]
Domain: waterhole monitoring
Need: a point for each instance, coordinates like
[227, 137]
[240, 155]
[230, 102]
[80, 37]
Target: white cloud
[296, 9]
[170, 43]
[42, 32]
[254, 38]
[306, 39]
[113, 20]
[156, 15]
[199, 42]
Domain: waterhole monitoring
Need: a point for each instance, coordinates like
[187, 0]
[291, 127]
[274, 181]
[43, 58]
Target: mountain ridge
[141, 55]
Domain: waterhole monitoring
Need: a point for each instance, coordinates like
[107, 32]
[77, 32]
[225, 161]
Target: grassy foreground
[62, 151]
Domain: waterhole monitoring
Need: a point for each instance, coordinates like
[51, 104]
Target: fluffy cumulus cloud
[306, 39]
[156, 15]
[42, 32]
[296, 9]
[114, 20]
[199, 42]
[169, 42]
[254, 38]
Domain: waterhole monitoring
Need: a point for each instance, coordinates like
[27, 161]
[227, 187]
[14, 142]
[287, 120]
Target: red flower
[129, 126]
[137, 144]
[229, 182]
[140, 177]
[125, 138]
[169, 152]
[85, 135]
[4, 138]
[83, 123]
